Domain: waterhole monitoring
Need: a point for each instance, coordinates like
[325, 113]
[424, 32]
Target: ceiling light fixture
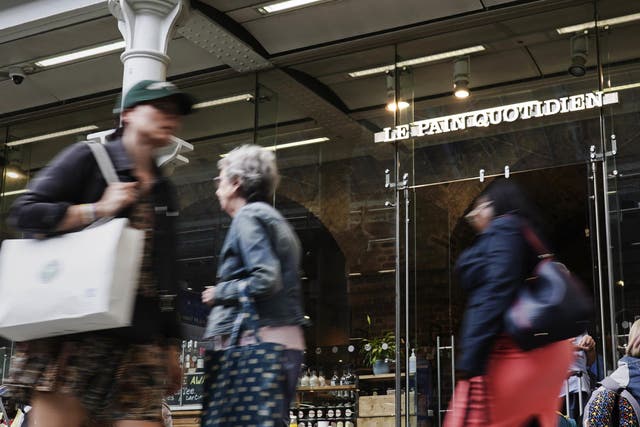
[392, 106]
[619, 88]
[236, 98]
[417, 61]
[461, 74]
[579, 49]
[603, 23]
[85, 53]
[51, 135]
[15, 172]
[13, 193]
[292, 144]
[285, 5]
[297, 143]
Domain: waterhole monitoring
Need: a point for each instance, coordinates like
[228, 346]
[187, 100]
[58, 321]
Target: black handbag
[551, 306]
[243, 384]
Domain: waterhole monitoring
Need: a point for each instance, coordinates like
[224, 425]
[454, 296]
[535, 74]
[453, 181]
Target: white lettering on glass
[497, 115]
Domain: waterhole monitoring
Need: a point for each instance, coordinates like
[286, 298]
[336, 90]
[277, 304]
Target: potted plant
[379, 350]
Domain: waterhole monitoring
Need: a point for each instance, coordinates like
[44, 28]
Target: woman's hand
[208, 295]
[587, 343]
[117, 196]
[174, 371]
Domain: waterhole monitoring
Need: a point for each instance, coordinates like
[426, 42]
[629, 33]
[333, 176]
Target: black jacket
[490, 271]
[73, 177]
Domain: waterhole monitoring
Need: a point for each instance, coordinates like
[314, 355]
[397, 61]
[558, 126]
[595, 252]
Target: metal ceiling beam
[231, 44]
[223, 38]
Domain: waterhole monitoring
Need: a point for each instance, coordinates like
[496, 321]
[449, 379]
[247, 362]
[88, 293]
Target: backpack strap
[632, 401]
[613, 385]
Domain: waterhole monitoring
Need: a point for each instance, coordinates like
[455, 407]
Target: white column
[146, 26]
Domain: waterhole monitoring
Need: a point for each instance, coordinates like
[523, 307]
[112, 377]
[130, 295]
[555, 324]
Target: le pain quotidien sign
[497, 115]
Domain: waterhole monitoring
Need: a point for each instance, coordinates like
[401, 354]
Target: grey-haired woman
[262, 251]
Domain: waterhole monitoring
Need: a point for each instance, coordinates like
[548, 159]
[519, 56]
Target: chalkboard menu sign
[193, 390]
[174, 399]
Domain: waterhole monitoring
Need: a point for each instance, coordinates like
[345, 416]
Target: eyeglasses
[470, 217]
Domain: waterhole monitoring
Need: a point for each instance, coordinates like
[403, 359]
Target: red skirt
[517, 387]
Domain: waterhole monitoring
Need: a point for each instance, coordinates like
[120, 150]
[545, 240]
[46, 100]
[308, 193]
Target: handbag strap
[104, 161]
[534, 241]
[246, 315]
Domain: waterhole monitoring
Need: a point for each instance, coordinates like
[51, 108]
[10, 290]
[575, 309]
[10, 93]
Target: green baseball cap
[150, 90]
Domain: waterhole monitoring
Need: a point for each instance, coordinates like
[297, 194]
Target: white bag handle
[106, 168]
[104, 161]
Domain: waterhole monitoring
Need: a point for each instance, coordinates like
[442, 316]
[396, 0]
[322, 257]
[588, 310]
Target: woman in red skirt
[499, 384]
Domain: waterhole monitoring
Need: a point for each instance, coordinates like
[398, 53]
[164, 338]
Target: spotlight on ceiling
[579, 50]
[392, 105]
[461, 75]
[401, 105]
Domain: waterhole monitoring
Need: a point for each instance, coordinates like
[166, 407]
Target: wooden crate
[382, 422]
[383, 405]
[186, 418]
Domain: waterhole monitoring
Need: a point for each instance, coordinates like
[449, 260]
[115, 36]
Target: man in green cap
[70, 377]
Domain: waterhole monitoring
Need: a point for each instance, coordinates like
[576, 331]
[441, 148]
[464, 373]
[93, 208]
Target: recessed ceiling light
[619, 88]
[13, 174]
[297, 143]
[393, 270]
[603, 23]
[85, 53]
[401, 105]
[292, 144]
[13, 193]
[417, 61]
[52, 135]
[285, 5]
[227, 100]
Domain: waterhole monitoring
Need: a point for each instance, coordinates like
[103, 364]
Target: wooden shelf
[327, 388]
[378, 377]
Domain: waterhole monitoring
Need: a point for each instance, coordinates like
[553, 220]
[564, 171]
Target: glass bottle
[313, 380]
[200, 361]
[335, 379]
[187, 356]
[304, 381]
[194, 357]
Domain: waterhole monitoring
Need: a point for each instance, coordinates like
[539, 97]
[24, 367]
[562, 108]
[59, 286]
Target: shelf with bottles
[191, 361]
[321, 401]
[310, 380]
[326, 388]
[324, 413]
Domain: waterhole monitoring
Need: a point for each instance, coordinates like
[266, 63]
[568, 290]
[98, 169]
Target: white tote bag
[76, 282]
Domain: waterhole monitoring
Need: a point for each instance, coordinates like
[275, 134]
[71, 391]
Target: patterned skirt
[113, 380]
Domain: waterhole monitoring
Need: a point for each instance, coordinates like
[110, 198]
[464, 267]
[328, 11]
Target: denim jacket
[261, 249]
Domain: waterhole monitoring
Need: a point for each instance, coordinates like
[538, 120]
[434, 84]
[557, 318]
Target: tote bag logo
[50, 271]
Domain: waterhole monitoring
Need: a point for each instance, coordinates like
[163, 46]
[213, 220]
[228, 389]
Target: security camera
[17, 75]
